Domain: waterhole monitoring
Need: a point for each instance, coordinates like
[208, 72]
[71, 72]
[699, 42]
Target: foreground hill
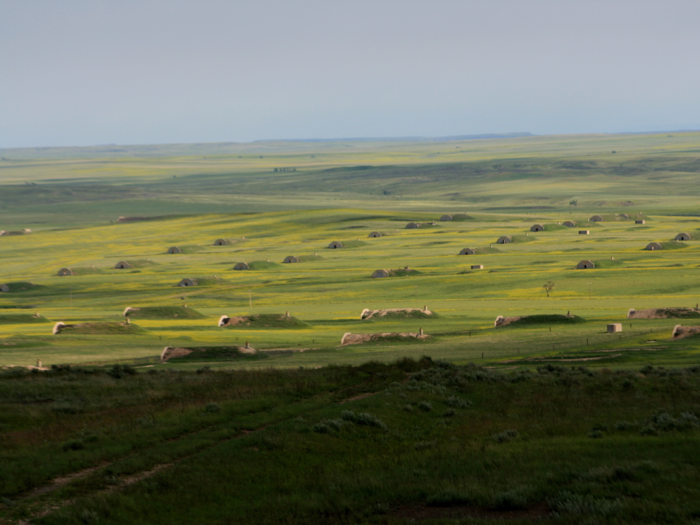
[412, 441]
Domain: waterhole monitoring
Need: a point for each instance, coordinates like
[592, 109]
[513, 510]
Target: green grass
[412, 439]
[22, 318]
[165, 312]
[102, 328]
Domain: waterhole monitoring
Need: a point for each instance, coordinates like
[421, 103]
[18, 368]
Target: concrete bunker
[335, 245]
[174, 249]
[653, 246]
[585, 265]
[537, 228]
[468, 251]
[291, 259]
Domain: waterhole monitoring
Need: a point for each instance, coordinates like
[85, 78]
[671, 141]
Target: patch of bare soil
[59, 482]
[417, 513]
[357, 398]
[562, 359]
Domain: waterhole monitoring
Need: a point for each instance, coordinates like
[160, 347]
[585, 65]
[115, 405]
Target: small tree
[573, 202]
[548, 286]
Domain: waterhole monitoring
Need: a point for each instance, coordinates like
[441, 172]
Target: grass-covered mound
[163, 312]
[462, 217]
[413, 314]
[403, 272]
[210, 281]
[218, 353]
[102, 328]
[397, 313]
[310, 258]
[264, 265]
[22, 286]
[350, 244]
[548, 319]
[608, 263]
[523, 238]
[486, 249]
[552, 227]
[191, 248]
[139, 263]
[678, 313]
[85, 270]
[264, 321]
[673, 245]
[22, 318]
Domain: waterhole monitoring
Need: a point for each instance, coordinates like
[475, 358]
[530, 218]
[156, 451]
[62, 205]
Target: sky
[91, 72]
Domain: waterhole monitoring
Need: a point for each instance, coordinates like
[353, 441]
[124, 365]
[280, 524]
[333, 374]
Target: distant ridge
[258, 147]
[412, 139]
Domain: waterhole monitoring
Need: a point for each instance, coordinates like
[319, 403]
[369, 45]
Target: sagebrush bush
[457, 402]
[363, 418]
[584, 505]
[448, 498]
[505, 436]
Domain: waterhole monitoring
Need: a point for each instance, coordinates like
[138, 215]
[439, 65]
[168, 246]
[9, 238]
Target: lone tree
[548, 286]
[573, 202]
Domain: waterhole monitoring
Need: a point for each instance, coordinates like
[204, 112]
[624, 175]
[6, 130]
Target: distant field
[72, 199]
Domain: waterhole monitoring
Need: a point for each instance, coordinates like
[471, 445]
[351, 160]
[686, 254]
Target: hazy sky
[76, 72]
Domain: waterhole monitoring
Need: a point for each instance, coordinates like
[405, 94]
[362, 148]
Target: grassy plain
[196, 194]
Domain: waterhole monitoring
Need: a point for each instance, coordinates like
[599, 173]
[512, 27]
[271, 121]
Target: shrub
[457, 402]
[425, 406]
[505, 436]
[577, 504]
[514, 499]
[649, 430]
[212, 408]
[119, 371]
[596, 434]
[408, 407]
[622, 426]
[423, 445]
[321, 428]
[448, 498]
[362, 418]
[450, 412]
[73, 444]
